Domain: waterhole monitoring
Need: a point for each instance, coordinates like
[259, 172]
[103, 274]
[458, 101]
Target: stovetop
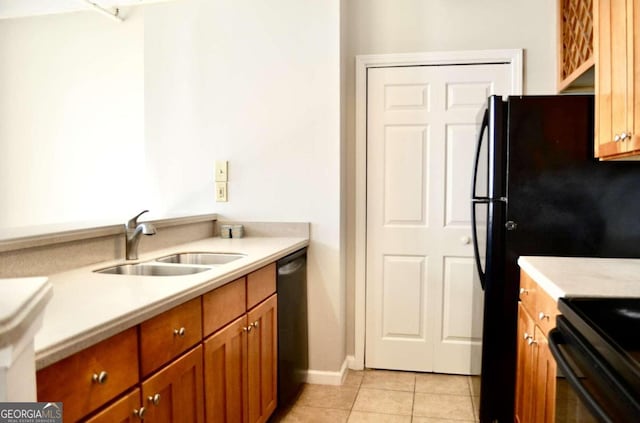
[612, 327]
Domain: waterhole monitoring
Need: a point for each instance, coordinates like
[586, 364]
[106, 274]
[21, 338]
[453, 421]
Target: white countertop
[584, 277]
[21, 302]
[89, 307]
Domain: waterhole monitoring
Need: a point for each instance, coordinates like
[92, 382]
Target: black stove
[596, 345]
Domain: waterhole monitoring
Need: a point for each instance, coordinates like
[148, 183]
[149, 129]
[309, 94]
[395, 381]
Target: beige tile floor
[387, 397]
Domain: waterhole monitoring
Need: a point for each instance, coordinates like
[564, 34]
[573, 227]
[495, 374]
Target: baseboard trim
[354, 364]
[322, 377]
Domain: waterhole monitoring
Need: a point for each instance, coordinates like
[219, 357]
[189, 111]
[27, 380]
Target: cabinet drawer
[223, 305]
[112, 363]
[528, 290]
[260, 285]
[546, 311]
[122, 411]
[169, 334]
[538, 303]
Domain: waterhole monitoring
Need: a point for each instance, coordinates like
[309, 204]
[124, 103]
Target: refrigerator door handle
[476, 200]
[483, 127]
[474, 235]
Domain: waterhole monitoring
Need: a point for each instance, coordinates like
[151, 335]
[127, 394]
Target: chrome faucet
[133, 230]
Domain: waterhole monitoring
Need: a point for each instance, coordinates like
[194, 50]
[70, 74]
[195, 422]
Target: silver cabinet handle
[155, 400]
[179, 332]
[100, 378]
[543, 316]
[140, 412]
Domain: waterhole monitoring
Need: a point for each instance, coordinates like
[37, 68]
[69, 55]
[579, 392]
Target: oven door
[587, 389]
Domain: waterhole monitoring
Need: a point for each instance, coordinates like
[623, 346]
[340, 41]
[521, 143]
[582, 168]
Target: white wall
[258, 84]
[401, 26]
[71, 118]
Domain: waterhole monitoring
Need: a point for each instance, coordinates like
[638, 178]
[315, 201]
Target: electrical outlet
[222, 167]
[221, 192]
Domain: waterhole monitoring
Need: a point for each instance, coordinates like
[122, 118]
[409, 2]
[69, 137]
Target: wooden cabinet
[545, 379]
[223, 305]
[524, 371]
[262, 355]
[536, 368]
[225, 368]
[162, 371]
[617, 88]
[240, 361]
[176, 393]
[125, 410]
[90, 378]
[260, 285]
[575, 45]
[169, 334]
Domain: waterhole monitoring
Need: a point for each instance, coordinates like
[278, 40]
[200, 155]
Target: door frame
[512, 57]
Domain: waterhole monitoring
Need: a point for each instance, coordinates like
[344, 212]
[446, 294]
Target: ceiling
[22, 8]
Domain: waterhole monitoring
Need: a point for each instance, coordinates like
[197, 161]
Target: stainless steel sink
[207, 259]
[150, 269]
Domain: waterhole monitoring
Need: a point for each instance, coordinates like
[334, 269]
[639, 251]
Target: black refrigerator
[537, 190]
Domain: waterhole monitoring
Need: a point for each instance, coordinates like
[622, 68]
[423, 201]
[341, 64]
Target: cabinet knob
[624, 136]
[524, 291]
[140, 412]
[155, 400]
[247, 328]
[255, 324]
[100, 378]
[617, 138]
[179, 332]
[543, 316]
[531, 341]
[527, 336]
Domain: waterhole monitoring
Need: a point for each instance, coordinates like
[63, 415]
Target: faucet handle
[133, 222]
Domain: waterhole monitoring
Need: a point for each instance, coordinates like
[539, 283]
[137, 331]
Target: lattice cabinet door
[575, 40]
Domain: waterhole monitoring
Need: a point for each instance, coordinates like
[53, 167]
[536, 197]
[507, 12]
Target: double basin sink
[173, 265]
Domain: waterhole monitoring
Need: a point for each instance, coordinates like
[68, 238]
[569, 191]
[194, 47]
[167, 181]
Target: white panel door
[423, 307]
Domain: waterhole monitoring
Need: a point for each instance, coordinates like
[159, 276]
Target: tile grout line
[413, 397]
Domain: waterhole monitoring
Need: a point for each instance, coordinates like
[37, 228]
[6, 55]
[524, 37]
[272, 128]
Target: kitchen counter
[88, 307]
[584, 277]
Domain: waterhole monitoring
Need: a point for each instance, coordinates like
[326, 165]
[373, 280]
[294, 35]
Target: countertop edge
[93, 335]
[543, 281]
[30, 307]
[592, 277]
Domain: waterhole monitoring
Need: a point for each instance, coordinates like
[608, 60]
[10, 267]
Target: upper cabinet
[617, 88]
[575, 45]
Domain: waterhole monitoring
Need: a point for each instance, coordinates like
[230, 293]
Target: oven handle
[555, 340]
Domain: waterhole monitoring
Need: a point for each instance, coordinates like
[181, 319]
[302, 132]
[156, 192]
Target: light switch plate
[221, 192]
[222, 167]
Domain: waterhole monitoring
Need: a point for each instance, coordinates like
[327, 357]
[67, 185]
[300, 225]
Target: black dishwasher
[293, 351]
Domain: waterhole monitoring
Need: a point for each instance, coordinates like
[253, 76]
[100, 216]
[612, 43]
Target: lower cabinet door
[262, 343]
[176, 393]
[225, 373]
[545, 382]
[525, 367]
[125, 410]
